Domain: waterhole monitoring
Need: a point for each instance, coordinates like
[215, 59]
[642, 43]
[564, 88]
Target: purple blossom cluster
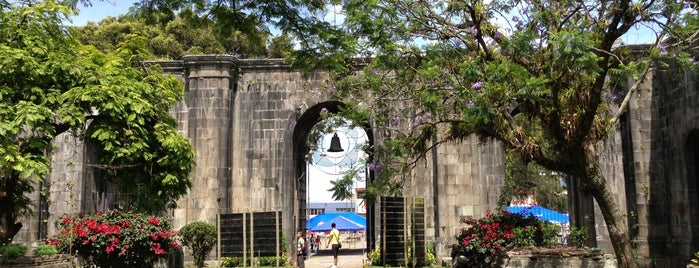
[477, 85]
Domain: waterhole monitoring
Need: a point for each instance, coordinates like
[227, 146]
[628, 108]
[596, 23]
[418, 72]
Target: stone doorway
[305, 157]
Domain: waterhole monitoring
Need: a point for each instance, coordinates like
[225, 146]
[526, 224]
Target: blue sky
[100, 10]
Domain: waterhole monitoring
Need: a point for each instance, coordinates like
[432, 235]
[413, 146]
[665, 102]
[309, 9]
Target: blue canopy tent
[341, 223]
[540, 213]
[315, 221]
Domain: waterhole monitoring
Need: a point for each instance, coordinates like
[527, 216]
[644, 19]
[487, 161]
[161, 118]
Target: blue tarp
[342, 224]
[540, 212]
[315, 221]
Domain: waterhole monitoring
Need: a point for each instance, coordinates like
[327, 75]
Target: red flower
[158, 251]
[154, 221]
[82, 233]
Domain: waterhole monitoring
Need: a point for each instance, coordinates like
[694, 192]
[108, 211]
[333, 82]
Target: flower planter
[555, 257]
[55, 261]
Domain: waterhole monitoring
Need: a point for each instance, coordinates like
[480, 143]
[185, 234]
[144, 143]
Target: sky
[100, 10]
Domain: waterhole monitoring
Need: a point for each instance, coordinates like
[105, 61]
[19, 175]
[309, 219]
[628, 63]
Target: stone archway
[692, 165]
[305, 123]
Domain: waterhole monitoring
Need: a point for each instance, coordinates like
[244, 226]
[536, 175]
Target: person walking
[300, 246]
[334, 241]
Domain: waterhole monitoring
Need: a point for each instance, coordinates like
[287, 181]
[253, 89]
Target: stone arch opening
[692, 164]
[302, 130]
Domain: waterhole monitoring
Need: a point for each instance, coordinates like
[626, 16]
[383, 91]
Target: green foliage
[578, 236]
[200, 237]
[13, 251]
[487, 236]
[695, 259]
[233, 262]
[529, 179]
[272, 261]
[375, 256]
[116, 238]
[261, 261]
[175, 28]
[52, 85]
[430, 258]
[45, 250]
[524, 236]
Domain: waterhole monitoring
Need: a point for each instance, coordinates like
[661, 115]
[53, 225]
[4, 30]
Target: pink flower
[153, 221]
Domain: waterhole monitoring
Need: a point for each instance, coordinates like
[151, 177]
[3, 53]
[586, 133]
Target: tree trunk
[616, 226]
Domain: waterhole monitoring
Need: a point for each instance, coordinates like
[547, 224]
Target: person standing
[334, 241]
[317, 242]
[300, 245]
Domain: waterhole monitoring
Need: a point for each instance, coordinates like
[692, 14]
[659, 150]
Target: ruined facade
[248, 121]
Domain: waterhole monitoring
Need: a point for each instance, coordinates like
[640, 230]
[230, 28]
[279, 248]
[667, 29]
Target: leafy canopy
[50, 84]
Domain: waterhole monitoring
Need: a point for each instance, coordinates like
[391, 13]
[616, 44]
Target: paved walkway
[347, 258]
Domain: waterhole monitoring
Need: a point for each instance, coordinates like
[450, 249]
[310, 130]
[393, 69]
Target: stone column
[208, 97]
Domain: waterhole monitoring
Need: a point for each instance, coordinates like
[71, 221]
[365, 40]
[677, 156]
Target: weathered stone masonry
[248, 121]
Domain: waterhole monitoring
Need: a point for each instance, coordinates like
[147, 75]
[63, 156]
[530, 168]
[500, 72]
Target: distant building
[328, 207]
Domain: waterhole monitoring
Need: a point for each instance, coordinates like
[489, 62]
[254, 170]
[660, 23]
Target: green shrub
[375, 256]
[430, 259]
[578, 236]
[13, 251]
[45, 250]
[549, 234]
[524, 236]
[234, 262]
[200, 237]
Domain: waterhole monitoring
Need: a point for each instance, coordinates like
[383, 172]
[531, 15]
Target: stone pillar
[208, 83]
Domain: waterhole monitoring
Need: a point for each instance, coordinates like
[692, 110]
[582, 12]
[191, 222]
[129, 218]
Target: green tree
[529, 179]
[50, 84]
[200, 237]
[473, 67]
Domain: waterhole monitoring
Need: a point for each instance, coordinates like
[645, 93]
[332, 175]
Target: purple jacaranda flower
[418, 119]
[371, 166]
[469, 104]
[663, 50]
[324, 110]
[428, 117]
[610, 96]
[477, 85]
[331, 86]
[374, 165]
[374, 71]
[458, 43]
[394, 121]
[496, 36]
[472, 30]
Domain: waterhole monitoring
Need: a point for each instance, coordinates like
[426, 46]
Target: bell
[335, 144]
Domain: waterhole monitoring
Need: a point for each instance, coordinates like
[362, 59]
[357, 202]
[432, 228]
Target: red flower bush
[116, 239]
[485, 237]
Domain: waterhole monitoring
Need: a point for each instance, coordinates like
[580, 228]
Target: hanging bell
[335, 144]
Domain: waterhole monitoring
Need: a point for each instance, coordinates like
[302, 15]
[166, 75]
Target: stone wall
[248, 121]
